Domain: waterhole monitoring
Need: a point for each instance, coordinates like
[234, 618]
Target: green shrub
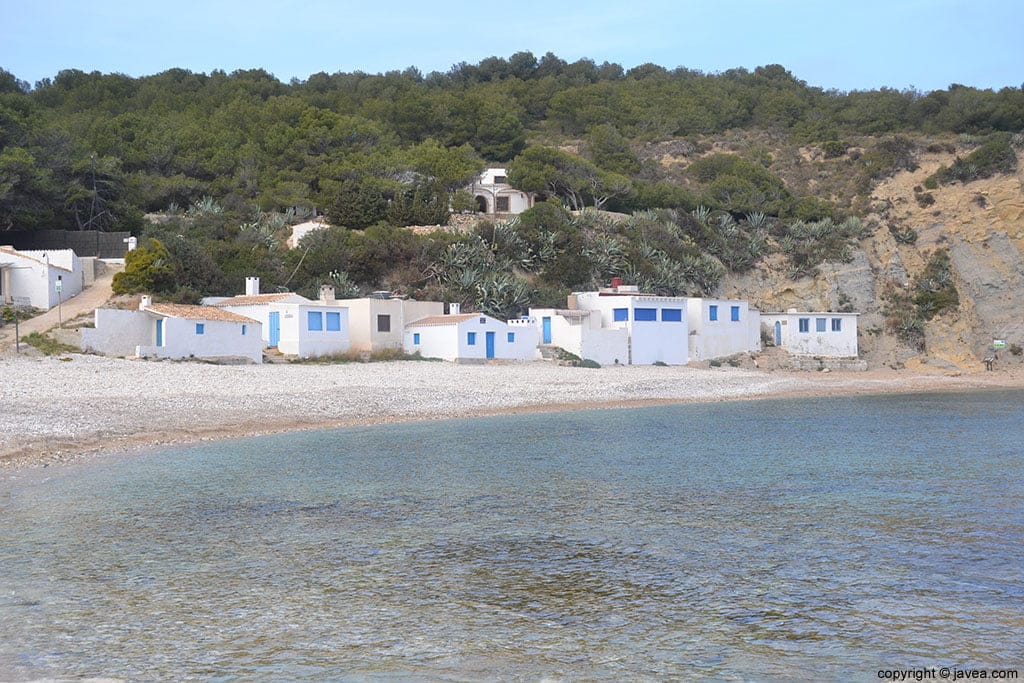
[994, 156]
[834, 148]
[47, 344]
[1015, 349]
[930, 183]
[936, 292]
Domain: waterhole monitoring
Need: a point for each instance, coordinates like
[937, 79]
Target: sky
[833, 44]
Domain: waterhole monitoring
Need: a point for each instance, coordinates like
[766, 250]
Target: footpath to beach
[59, 410]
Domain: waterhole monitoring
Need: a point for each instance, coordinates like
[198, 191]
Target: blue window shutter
[511, 337]
[200, 328]
[471, 338]
[243, 330]
[333, 322]
[819, 324]
[712, 312]
[416, 338]
[837, 324]
[314, 321]
[805, 324]
[734, 313]
[645, 314]
[620, 314]
[672, 315]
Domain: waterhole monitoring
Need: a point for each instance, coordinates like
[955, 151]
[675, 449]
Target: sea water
[768, 540]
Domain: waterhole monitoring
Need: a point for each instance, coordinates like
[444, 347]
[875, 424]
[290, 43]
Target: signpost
[19, 303]
[998, 344]
[59, 286]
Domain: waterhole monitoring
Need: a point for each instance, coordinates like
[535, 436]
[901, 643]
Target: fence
[84, 242]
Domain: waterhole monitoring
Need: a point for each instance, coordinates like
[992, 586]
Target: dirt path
[87, 301]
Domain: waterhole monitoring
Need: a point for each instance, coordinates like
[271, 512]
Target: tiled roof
[198, 313]
[444, 319]
[252, 299]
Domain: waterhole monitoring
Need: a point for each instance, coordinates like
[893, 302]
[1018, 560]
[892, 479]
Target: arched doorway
[481, 203]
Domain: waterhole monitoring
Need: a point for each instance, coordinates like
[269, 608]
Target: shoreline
[71, 412]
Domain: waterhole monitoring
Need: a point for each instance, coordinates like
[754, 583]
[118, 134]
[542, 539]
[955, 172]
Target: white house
[36, 276]
[378, 322]
[174, 331]
[813, 333]
[580, 332]
[721, 327]
[471, 336]
[319, 328]
[258, 306]
[656, 327]
[495, 196]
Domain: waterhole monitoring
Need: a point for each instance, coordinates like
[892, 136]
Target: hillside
[902, 205]
[980, 224]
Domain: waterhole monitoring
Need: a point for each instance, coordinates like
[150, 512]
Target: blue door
[778, 333]
[275, 329]
[546, 329]
[490, 345]
[160, 332]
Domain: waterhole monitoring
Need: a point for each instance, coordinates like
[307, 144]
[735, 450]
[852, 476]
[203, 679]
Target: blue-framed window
[471, 338]
[712, 312]
[314, 321]
[416, 338]
[671, 315]
[805, 324]
[837, 324]
[511, 337]
[333, 321]
[645, 314]
[243, 330]
[200, 328]
[620, 314]
[734, 313]
[819, 324]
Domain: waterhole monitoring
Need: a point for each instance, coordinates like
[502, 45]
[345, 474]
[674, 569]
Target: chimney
[616, 282]
[454, 308]
[326, 293]
[146, 302]
[252, 286]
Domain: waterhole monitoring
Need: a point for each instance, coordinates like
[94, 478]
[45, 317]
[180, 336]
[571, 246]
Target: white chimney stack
[326, 293]
[146, 302]
[453, 308]
[252, 286]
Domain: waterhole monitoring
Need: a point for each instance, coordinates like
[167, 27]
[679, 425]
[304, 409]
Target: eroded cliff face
[981, 224]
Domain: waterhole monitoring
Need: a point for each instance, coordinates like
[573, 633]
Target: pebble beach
[65, 409]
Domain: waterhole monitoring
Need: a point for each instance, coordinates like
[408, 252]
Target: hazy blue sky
[841, 44]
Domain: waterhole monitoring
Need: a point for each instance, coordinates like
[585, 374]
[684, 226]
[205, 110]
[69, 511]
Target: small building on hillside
[378, 322]
[174, 331]
[721, 328]
[495, 197]
[827, 334]
[656, 327]
[40, 278]
[302, 229]
[580, 332]
[471, 336]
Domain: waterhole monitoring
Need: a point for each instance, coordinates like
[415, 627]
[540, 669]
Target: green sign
[998, 343]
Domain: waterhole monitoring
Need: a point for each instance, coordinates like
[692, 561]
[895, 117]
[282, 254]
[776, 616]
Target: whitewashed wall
[298, 340]
[649, 341]
[119, 333]
[842, 344]
[219, 339]
[584, 336]
[28, 277]
[724, 336]
[451, 342]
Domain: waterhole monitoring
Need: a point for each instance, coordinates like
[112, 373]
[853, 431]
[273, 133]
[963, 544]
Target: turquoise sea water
[770, 540]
